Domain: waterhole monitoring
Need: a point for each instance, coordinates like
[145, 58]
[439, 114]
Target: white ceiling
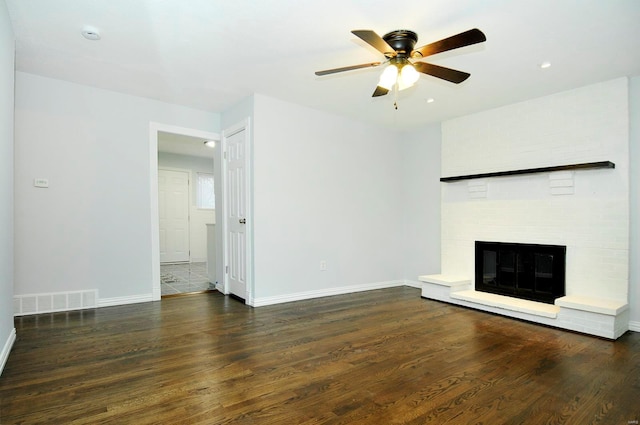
[183, 145]
[210, 54]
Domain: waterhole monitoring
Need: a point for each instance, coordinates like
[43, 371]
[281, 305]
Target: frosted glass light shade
[388, 77]
[408, 77]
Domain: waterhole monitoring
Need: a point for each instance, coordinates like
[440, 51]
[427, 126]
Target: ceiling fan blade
[463, 39]
[347, 68]
[441, 72]
[380, 91]
[373, 39]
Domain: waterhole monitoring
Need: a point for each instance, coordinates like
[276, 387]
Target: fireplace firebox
[528, 271]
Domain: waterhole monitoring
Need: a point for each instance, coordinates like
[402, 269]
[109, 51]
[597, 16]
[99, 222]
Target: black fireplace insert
[529, 271]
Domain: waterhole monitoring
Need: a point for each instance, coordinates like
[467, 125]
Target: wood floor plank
[377, 357]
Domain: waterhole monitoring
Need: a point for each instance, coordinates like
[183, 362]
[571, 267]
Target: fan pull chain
[395, 96]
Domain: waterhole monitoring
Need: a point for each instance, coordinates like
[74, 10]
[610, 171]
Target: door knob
[243, 221]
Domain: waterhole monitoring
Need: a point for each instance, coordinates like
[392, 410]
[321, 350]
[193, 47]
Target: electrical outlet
[323, 266]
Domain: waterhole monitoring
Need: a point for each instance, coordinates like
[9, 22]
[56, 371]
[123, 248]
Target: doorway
[184, 223]
[196, 262]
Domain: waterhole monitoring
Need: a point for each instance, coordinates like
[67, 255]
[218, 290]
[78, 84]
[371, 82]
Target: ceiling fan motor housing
[402, 41]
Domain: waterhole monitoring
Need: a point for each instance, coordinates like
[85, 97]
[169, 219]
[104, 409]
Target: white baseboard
[280, 299]
[132, 299]
[634, 326]
[413, 283]
[198, 260]
[4, 354]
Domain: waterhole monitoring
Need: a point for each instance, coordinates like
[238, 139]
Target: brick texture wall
[586, 210]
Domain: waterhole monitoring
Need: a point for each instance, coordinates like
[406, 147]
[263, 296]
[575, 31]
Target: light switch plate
[41, 182]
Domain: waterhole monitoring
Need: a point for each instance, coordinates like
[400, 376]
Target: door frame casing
[245, 125]
[154, 128]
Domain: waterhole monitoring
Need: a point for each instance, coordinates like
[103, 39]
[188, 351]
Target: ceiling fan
[404, 66]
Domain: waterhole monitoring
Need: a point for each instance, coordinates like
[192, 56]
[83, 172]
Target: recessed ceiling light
[210, 143]
[91, 33]
[431, 100]
[545, 65]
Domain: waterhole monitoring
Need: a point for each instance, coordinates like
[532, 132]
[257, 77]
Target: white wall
[565, 128]
[634, 162]
[237, 113]
[420, 150]
[91, 227]
[7, 49]
[198, 218]
[325, 188]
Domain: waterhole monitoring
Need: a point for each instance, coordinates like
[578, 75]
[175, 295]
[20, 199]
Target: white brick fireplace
[587, 210]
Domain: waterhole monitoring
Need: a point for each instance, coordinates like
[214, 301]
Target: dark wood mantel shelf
[586, 165]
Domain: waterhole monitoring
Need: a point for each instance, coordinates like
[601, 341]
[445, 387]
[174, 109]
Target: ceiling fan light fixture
[388, 77]
[408, 77]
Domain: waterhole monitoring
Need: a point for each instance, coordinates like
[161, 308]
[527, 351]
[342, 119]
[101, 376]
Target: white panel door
[173, 205]
[236, 213]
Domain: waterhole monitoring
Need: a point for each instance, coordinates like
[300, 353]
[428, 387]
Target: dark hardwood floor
[378, 357]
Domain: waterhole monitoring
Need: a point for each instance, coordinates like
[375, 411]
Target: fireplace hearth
[528, 271]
